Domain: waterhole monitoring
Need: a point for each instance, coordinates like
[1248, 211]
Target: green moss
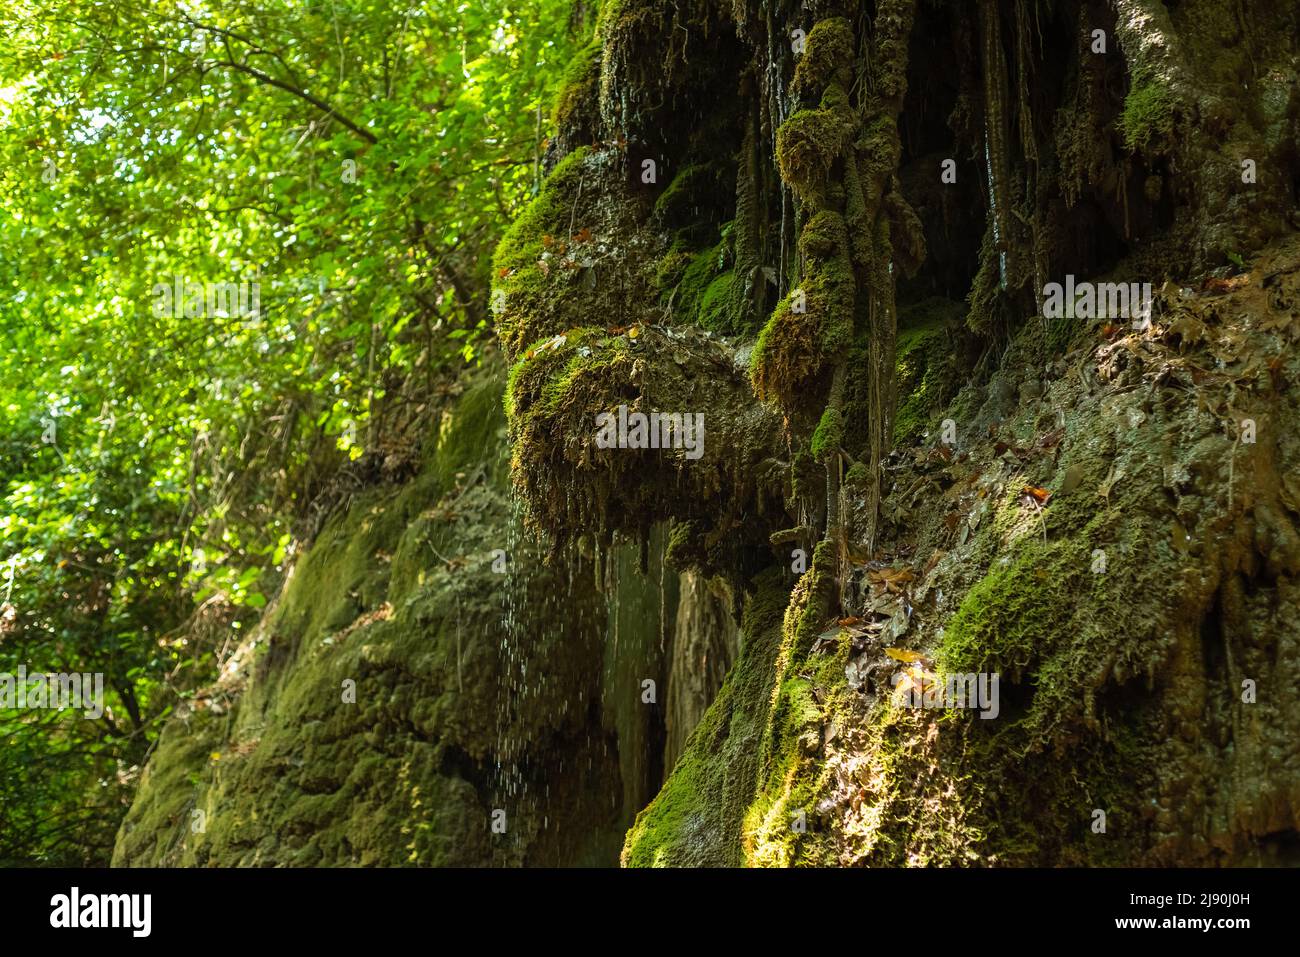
[522, 243]
[989, 311]
[703, 269]
[828, 436]
[794, 784]
[579, 89]
[1013, 615]
[791, 778]
[823, 237]
[876, 145]
[827, 57]
[814, 322]
[684, 548]
[544, 377]
[1148, 118]
[672, 269]
[925, 368]
[703, 295]
[466, 433]
[807, 479]
[527, 308]
[806, 145]
[715, 310]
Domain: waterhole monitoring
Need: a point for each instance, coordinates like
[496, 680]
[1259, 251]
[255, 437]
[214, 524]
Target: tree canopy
[227, 231]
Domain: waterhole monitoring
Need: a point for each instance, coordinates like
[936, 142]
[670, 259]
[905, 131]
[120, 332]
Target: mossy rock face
[659, 59]
[697, 818]
[702, 295]
[362, 723]
[533, 293]
[691, 195]
[1127, 616]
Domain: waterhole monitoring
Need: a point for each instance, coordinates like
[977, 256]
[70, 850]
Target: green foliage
[350, 165]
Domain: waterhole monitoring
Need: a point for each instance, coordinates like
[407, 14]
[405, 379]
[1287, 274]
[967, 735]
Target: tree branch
[329, 111]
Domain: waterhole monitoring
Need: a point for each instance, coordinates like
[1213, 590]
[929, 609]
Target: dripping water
[993, 208]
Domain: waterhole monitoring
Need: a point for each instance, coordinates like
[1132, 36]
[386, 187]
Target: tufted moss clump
[806, 145]
[544, 376]
[569, 484]
[671, 269]
[1015, 614]
[823, 237]
[827, 57]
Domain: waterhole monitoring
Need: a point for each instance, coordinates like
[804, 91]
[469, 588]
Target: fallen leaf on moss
[1036, 493]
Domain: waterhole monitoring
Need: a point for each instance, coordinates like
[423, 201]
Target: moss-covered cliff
[1066, 505]
[785, 218]
[421, 672]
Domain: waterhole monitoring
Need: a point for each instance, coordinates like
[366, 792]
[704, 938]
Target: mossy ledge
[568, 484]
